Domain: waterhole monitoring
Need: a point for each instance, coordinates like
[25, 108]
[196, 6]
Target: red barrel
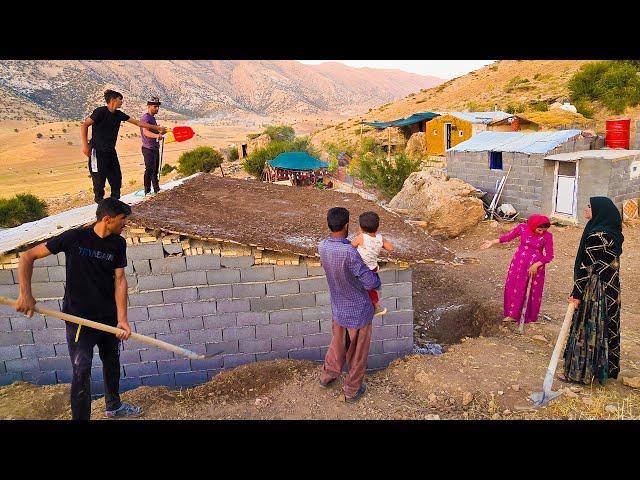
[617, 134]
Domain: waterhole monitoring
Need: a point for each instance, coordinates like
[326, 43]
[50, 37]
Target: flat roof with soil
[275, 217]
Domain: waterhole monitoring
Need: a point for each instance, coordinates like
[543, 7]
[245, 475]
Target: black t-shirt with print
[104, 133]
[91, 264]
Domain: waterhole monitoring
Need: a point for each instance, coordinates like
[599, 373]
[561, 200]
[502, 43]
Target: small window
[461, 133]
[495, 161]
[435, 132]
[634, 171]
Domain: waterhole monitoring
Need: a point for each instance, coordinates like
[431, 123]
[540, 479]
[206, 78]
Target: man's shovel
[544, 397]
[107, 328]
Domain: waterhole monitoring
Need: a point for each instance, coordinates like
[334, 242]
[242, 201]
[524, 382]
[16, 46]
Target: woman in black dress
[593, 347]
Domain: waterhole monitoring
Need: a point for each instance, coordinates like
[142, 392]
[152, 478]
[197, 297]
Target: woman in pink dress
[528, 264]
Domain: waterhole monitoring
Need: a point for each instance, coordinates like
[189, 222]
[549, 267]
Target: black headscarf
[605, 218]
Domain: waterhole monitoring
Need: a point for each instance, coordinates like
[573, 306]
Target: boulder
[447, 205]
[416, 146]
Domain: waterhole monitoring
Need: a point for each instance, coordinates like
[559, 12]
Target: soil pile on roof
[275, 217]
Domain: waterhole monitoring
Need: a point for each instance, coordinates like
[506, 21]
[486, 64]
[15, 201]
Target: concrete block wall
[621, 186]
[206, 303]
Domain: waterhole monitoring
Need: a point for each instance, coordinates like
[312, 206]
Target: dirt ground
[488, 376]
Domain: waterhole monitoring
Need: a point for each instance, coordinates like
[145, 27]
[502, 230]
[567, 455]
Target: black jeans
[108, 170]
[81, 353]
[151, 166]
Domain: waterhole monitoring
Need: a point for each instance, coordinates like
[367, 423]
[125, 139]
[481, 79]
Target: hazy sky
[440, 68]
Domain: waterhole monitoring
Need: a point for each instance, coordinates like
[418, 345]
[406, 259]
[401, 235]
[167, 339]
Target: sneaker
[359, 393]
[379, 310]
[125, 410]
[327, 383]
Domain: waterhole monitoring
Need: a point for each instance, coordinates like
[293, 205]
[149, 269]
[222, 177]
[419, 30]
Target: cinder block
[9, 378]
[57, 274]
[142, 267]
[6, 310]
[34, 351]
[271, 331]
[214, 291]
[266, 304]
[145, 251]
[326, 326]
[180, 295]
[376, 347]
[404, 303]
[61, 350]
[128, 383]
[13, 352]
[173, 310]
[230, 346]
[128, 270]
[317, 340]
[139, 369]
[155, 282]
[172, 248]
[401, 346]
[54, 363]
[168, 265]
[316, 313]
[285, 316]
[40, 378]
[220, 320]
[234, 360]
[189, 379]
[8, 339]
[203, 262]
[252, 318]
[10, 291]
[154, 354]
[315, 271]
[306, 354]
[207, 364]
[244, 290]
[290, 272]
[48, 261]
[196, 309]
[152, 326]
[146, 298]
[264, 357]
[257, 274]
[190, 278]
[384, 332]
[26, 323]
[226, 275]
[180, 338]
[64, 376]
[161, 380]
[377, 320]
[6, 277]
[388, 291]
[239, 333]
[233, 306]
[404, 275]
[283, 287]
[255, 346]
[380, 361]
[173, 366]
[303, 328]
[286, 343]
[404, 289]
[397, 318]
[237, 262]
[137, 314]
[47, 290]
[132, 282]
[299, 301]
[387, 276]
[314, 285]
[208, 335]
[21, 365]
[40, 275]
[405, 330]
[322, 298]
[128, 356]
[185, 324]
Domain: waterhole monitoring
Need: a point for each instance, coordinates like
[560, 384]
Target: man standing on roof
[97, 290]
[349, 281]
[101, 149]
[151, 147]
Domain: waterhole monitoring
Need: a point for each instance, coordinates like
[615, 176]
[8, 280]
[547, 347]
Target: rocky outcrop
[416, 146]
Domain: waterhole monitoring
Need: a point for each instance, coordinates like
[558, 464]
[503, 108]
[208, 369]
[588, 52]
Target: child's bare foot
[379, 310]
[508, 319]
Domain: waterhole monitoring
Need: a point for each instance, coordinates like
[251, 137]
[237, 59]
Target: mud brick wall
[249, 303]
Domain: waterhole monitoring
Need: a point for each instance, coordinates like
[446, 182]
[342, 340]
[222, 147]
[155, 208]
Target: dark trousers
[81, 353]
[108, 170]
[151, 166]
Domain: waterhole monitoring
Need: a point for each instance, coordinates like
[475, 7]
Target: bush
[584, 108]
[613, 83]
[39, 135]
[515, 108]
[15, 130]
[201, 159]
[280, 133]
[254, 163]
[387, 176]
[333, 165]
[166, 169]
[539, 107]
[21, 208]
[233, 154]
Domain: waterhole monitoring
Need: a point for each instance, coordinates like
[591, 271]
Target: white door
[565, 197]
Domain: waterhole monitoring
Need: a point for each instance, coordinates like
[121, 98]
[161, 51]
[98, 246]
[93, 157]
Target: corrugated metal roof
[535, 142]
[605, 154]
[479, 117]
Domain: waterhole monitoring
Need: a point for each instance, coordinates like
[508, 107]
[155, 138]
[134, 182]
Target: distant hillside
[195, 89]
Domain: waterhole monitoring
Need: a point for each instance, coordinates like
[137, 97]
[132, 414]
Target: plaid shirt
[349, 279]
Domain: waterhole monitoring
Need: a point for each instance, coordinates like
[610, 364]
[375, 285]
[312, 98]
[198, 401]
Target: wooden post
[389, 145]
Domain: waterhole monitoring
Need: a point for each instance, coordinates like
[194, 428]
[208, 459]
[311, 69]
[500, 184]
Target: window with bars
[495, 161]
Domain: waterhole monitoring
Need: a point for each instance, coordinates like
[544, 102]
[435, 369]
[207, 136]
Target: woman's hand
[488, 244]
[575, 301]
[533, 269]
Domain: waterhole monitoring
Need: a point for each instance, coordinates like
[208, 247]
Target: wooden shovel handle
[107, 328]
[562, 338]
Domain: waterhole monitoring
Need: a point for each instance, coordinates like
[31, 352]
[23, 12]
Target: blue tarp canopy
[415, 118]
[297, 161]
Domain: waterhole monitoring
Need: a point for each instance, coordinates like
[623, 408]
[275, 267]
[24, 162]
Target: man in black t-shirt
[96, 289]
[101, 150]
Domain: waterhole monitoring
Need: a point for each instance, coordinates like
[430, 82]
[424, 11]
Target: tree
[254, 163]
[21, 208]
[201, 159]
[280, 133]
[386, 175]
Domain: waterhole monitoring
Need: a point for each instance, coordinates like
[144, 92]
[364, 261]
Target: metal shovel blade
[211, 355]
[543, 398]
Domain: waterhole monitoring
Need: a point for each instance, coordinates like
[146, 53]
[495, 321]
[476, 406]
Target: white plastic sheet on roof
[517, 142]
